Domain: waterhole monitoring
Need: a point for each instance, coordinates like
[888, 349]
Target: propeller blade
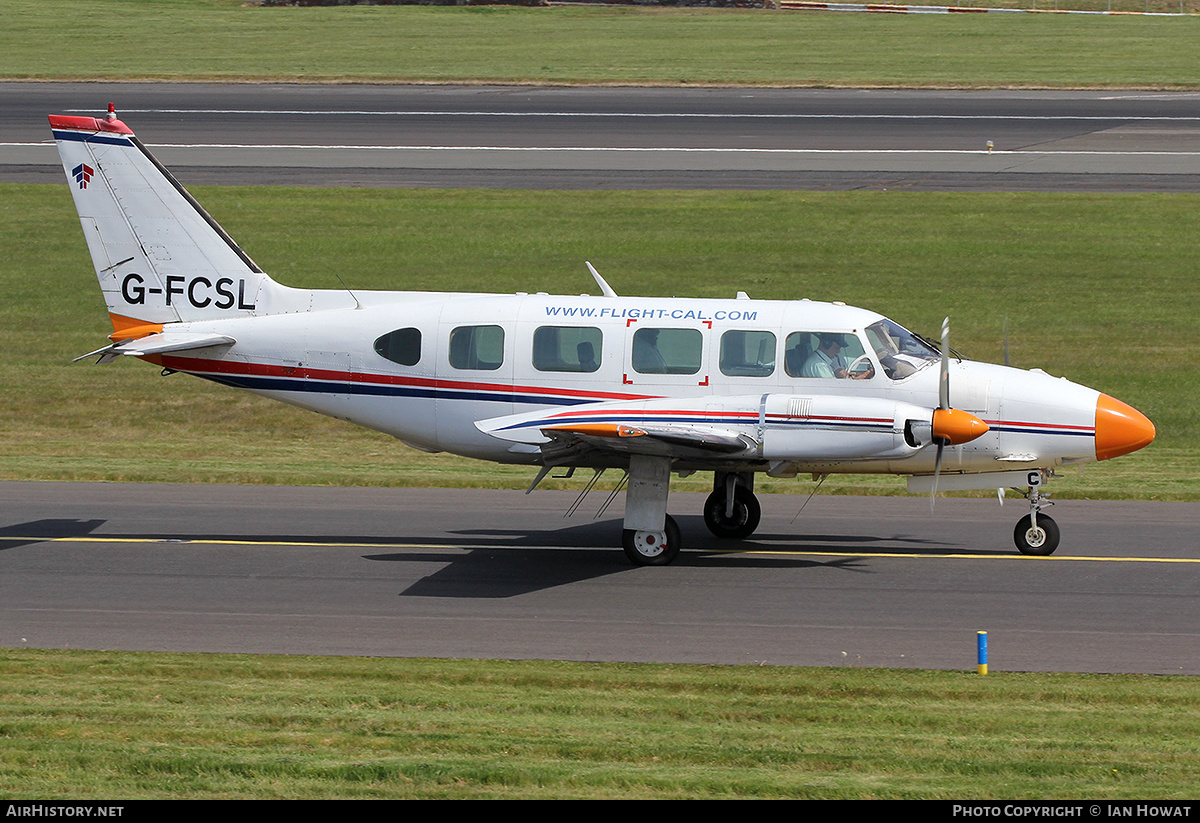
[944, 377]
[943, 403]
[937, 470]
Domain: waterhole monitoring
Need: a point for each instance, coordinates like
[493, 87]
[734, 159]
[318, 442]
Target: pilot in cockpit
[827, 360]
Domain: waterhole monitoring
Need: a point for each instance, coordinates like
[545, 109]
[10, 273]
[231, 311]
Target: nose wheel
[1036, 533]
[1039, 539]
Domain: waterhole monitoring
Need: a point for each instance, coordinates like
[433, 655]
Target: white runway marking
[650, 150]
[660, 115]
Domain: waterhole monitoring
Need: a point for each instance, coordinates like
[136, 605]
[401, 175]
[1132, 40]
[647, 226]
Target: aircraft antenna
[604, 287]
[613, 496]
[353, 296]
[810, 497]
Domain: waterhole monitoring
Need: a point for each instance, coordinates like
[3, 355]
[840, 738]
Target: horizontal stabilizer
[159, 344]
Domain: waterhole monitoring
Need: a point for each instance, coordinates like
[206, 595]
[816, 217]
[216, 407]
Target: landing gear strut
[732, 511]
[651, 536]
[1036, 533]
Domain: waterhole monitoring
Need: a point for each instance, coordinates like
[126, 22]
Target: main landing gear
[732, 510]
[651, 536]
[652, 547]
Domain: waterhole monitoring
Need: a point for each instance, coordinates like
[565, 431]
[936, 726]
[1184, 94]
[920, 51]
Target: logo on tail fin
[83, 174]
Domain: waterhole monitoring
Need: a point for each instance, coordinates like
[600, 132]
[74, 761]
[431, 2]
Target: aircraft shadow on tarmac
[503, 573]
[500, 563]
[39, 531]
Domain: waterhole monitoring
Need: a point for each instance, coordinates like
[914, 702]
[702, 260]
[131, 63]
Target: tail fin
[159, 255]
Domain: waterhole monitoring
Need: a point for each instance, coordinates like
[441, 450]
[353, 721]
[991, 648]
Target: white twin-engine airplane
[648, 385]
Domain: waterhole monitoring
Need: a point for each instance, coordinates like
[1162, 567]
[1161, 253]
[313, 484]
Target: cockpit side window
[826, 355]
[901, 353]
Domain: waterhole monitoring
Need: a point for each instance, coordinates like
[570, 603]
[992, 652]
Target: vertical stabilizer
[159, 256]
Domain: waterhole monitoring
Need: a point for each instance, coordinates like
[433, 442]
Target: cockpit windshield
[900, 352]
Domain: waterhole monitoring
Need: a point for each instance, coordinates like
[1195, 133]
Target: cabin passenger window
[747, 353]
[826, 355]
[401, 346]
[667, 351]
[477, 347]
[566, 348]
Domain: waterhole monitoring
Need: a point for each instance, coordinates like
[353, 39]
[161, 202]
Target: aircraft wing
[656, 427]
[716, 429]
[159, 344]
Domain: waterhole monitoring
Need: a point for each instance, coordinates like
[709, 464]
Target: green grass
[88, 725]
[1095, 287]
[223, 40]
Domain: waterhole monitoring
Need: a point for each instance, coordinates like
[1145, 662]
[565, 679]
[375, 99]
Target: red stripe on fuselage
[298, 372]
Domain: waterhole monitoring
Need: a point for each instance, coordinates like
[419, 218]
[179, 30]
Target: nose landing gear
[1036, 533]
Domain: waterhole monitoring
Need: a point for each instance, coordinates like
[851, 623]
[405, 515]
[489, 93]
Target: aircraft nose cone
[1120, 428]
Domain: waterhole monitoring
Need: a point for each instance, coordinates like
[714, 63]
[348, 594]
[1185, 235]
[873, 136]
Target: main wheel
[746, 514]
[1039, 541]
[650, 548]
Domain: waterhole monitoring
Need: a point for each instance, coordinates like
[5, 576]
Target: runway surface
[630, 138]
[494, 574]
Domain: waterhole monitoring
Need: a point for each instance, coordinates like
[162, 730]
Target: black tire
[649, 551]
[1040, 542]
[746, 514]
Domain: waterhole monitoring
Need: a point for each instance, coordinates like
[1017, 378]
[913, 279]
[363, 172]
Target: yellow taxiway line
[746, 550]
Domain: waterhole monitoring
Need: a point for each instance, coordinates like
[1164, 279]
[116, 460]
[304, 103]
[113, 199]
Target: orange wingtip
[128, 328]
[600, 430]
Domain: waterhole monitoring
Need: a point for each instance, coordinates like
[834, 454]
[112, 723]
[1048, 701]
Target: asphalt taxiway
[853, 581]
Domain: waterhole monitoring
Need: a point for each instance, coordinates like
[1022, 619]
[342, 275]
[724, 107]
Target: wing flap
[672, 440]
